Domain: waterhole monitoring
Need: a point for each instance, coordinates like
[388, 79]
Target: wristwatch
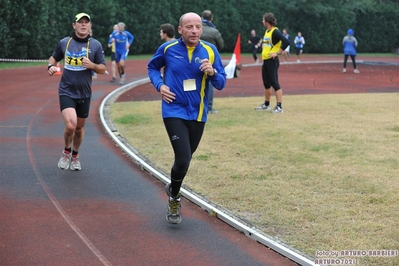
[49, 65]
[214, 72]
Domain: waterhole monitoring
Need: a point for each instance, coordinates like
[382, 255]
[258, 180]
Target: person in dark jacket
[212, 35]
[350, 43]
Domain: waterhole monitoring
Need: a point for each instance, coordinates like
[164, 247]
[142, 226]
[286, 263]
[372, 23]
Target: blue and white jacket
[181, 64]
[350, 44]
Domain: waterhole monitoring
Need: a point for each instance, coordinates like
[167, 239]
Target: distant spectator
[299, 42]
[350, 44]
[273, 45]
[255, 41]
[212, 35]
[167, 32]
[287, 50]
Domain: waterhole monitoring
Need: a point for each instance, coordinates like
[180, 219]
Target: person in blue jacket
[350, 44]
[189, 64]
[122, 40]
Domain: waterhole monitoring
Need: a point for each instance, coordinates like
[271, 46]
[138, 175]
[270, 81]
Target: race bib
[189, 85]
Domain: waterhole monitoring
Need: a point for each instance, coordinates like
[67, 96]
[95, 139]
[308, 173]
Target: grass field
[324, 175]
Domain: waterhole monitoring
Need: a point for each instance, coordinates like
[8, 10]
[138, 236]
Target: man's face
[162, 35]
[191, 29]
[82, 27]
[121, 28]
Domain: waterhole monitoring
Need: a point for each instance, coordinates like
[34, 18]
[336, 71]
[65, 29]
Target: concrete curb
[214, 210]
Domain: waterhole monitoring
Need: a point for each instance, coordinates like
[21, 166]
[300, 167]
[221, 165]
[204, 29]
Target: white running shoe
[278, 109]
[263, 107]
[63, 163]
[356, 71]
[75, 164]
[122, 80]
[173, 215]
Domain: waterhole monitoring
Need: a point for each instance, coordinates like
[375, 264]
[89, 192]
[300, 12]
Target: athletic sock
[267, 103]
[74, 153]
[279, 105]
[176, 182]
[67, 150]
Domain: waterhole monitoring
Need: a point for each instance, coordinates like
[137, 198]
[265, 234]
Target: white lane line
[54, 200]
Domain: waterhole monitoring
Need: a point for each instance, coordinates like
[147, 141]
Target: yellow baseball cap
[81, 15]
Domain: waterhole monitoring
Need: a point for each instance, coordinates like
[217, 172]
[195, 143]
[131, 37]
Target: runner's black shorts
[82, 106]
[112, 56]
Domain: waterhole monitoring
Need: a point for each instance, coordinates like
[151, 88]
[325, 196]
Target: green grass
[324, 175]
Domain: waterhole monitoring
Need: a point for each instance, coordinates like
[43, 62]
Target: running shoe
[213, 111]
[263, 107]
[356, 71]
[278, 109]
[75, 164]
[63, 163]
[122, 80]
[113, 80]
[173, 215]
[344, 70]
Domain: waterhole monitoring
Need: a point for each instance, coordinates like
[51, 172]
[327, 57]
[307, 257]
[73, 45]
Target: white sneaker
[263, 107]
[278, 109]
[298, 61]
[356, 71]
[122, 80]
[63, 163]
[344, 70]
[75, 164]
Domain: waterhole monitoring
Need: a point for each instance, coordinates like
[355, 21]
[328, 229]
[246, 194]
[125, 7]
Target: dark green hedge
[32, 28]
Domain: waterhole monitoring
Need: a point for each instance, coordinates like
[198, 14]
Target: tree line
[32, 28]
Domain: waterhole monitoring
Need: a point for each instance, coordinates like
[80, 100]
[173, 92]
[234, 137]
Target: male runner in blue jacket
[122, 39]
[189, 64]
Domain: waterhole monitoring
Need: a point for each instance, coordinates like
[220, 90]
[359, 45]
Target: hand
[87, 63]
[52, 70]
[166, 94]
[207, 67]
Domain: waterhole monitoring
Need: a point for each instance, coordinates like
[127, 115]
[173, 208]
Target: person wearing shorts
[122, 39]
[82, 55]
[287, 50]
[112, 46]
[274, 44]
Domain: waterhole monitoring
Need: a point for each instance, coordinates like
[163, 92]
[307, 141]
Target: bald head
[189, 17]
[190, 28]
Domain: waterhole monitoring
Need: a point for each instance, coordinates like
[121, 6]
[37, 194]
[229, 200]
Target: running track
[112, 212]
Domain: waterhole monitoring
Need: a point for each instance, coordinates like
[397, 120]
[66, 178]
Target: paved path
[111, 212]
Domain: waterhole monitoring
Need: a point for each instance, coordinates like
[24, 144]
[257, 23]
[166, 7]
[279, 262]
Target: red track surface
[111, 212]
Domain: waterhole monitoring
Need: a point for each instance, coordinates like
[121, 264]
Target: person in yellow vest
[273, 44]
[113, 62]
